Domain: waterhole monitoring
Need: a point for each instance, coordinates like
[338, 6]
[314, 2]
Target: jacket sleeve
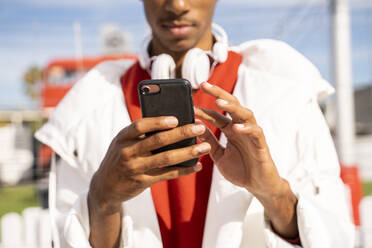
[69, 208]
[323, 214]
[66, 132]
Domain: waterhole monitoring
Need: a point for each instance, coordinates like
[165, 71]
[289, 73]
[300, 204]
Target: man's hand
[129, 168]
[246, 159]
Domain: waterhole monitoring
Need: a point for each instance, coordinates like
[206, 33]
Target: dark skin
[128, 167]
[194, 16]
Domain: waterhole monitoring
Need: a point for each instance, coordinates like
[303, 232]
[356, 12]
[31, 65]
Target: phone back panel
[173, 99]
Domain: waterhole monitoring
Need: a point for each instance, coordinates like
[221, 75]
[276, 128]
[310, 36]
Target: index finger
[146, 125]
[217, 92]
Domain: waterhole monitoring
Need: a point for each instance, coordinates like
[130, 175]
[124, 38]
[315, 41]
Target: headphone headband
[196, 66]
[144, 57]
[219, 33]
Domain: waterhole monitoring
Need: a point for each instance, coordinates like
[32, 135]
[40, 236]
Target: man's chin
[180, 46]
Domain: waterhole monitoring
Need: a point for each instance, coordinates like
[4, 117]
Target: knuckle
[174, 174]
[122, 132]
[258, 130]
[130, 168]
[126, 154]
[185, 131]
[235, 99]
[192, 152]
[137, 126]
[187, 171]
[160, 121]
[139, 181]
[166, 159]
[249, 112]
[158, 139]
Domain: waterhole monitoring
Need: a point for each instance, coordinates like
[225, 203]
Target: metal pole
[78, 48]
[345, 125]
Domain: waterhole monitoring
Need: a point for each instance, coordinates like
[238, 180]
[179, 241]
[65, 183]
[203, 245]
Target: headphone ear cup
[220, 52]
[163, 67]
[196, 66]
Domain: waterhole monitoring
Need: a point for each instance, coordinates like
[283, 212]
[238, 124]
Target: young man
[271, 179]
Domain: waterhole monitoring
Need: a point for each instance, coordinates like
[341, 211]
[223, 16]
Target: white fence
[16, 156]
[363, 151]
[32, 229]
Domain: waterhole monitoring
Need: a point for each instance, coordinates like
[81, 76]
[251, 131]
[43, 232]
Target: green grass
[367, 188]
[17, 198]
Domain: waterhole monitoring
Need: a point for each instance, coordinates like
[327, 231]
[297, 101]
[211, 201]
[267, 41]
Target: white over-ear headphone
[196, 66]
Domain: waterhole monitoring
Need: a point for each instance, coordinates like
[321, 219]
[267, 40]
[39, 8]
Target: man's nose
[178, 7]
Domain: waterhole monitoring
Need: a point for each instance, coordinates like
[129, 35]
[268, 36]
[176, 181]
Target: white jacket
[280, 86]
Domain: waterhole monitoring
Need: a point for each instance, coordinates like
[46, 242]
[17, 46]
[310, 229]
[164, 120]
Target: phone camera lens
[145, 90]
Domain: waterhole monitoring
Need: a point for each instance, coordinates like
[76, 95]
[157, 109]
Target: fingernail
[202, 148]
[222, 102]
[170, 121]
[208, 85]
[197, 128]
[198, 167]
[240, 126]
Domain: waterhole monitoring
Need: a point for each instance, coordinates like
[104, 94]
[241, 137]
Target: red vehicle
[58, 78]
[61, 74]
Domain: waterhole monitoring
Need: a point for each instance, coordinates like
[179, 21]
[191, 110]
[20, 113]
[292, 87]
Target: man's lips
[178, 29]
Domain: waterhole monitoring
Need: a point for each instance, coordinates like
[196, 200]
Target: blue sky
[35, 31]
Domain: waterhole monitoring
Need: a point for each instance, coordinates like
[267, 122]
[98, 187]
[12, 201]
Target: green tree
[32, 79]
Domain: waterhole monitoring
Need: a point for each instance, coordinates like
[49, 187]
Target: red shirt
[181, 204]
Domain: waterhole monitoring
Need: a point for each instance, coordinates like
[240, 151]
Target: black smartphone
[169, 97]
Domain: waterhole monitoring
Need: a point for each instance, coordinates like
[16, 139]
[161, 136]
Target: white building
[363, 139]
